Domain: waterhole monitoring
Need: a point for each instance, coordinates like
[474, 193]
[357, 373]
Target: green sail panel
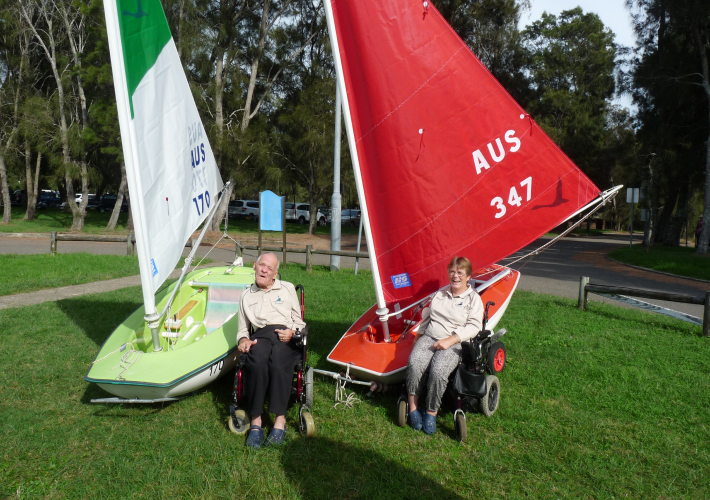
[144, 34]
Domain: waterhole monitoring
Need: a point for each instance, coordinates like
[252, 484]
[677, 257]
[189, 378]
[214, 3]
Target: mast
[381, 303]
[130, 157]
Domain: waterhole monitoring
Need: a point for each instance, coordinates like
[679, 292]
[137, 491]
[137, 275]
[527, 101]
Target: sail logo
[153, 268]
[496, 151]
[197, 145]
[401, 280]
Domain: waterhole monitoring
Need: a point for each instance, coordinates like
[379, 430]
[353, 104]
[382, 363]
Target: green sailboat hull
[198, 342]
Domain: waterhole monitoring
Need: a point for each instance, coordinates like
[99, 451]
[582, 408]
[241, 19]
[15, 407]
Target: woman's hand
[285, 335]
[245, 344]
[442, 344]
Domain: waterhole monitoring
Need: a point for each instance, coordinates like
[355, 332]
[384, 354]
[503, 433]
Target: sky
[612, 13]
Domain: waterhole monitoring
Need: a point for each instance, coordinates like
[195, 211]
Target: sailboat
[446, 163]
[184, 336]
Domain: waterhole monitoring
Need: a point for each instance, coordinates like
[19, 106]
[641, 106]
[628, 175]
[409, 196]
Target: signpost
[632, 196]
[272, 216]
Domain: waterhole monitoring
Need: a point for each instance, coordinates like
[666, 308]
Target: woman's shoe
[415, 420]
[276, 437]
[255, 437]
[429, 424]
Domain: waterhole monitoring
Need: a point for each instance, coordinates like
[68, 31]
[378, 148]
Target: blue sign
[401, 280]
[271, 211]
[154, 268]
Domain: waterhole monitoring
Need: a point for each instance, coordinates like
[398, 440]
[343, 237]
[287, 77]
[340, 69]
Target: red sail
[450, 163]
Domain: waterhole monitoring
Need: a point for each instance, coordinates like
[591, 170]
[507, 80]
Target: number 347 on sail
[513, 199]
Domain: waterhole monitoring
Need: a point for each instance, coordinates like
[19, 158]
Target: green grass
[54, 219]
[607, 403]
[27, 273]
[676, 260]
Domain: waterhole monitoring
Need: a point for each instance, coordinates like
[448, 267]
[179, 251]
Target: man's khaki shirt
[276, 306]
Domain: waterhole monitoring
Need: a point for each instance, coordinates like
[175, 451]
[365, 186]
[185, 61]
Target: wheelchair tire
[309, 387]
[307, 427]
[496, 358]
[489, 403]
[241, 426]
[402, 412]
[460, 427]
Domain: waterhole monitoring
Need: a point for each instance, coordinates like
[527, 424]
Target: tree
[571, 63]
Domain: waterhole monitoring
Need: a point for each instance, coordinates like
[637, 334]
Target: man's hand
[245, 344]
[285, 335]
[442, 344]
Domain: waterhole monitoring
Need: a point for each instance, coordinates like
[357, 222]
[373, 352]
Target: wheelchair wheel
[238, 424]
[307, 427]
[489, 402]
[496, 358]
[309, 387]
[460, 427]
[402, 412]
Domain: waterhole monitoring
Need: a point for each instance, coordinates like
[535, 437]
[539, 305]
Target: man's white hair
[275, 257]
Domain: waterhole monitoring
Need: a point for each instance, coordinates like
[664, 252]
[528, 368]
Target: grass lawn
[607, 403]
[27, 273]
[675, 260]
[53, 219]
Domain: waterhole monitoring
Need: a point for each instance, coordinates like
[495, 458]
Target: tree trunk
[677, 224]
[704, 240]
[129, 223]
[222, 207]
[7, 208]
[119, 200]
[662, 226]
[31, 213]
[255, 65]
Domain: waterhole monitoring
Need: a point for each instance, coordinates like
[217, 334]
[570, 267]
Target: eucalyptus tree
[13, 63]
[570, 62]
[670, 84]
[43, 20]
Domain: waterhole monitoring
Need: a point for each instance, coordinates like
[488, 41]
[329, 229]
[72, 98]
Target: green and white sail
[172, 174]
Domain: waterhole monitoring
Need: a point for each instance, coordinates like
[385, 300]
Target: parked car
[348, 217]
[244, 209]
[17, 198]
[107, 201]
[77, 199]
[301, 212]
[49, 199]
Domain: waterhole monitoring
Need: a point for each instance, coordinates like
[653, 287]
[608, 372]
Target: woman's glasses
[459, 273]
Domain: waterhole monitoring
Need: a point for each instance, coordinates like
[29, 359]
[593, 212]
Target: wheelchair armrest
[301, 335]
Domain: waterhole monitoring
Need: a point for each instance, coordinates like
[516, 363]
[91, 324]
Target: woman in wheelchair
[270, 307]
[454, 316]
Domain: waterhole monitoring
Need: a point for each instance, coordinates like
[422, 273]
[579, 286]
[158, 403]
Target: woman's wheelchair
[469, 386]
[301, 388]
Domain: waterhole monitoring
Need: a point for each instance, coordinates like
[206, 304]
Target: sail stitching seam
[410, 97]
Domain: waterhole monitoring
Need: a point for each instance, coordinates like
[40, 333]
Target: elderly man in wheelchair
[269, 338]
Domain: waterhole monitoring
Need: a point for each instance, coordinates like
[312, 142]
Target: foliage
[679, 260]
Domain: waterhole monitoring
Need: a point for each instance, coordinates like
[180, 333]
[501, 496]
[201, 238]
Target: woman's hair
[461, 263]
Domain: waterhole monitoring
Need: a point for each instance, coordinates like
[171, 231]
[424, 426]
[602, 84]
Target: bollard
[582, 301]
[706, 315]
[53, 243]
[309, 264]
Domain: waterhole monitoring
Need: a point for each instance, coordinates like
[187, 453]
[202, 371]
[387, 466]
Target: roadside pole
[632, 196]
[335, 201]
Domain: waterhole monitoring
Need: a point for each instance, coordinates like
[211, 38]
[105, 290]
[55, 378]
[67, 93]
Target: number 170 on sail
[513, 199]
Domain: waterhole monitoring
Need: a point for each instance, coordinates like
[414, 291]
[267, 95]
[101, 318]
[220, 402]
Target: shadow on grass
[322, 468]
[660, 321]
[97, 317]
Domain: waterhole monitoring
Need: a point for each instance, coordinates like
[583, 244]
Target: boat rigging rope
[341, 395]
[131, 357]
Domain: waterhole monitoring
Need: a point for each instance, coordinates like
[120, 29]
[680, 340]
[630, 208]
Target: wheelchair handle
[485, 314]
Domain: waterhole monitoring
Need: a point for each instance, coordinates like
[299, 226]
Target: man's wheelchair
[469, 386]
[301, 388]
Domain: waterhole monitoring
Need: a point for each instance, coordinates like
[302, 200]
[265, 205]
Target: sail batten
[446, 162]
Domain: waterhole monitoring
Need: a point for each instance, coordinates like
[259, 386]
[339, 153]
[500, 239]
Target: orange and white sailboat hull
[363, 348]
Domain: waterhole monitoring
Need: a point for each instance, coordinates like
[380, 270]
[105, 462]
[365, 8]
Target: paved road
[555, 272]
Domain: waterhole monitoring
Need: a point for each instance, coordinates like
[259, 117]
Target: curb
[657, 272]
[44, 236]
